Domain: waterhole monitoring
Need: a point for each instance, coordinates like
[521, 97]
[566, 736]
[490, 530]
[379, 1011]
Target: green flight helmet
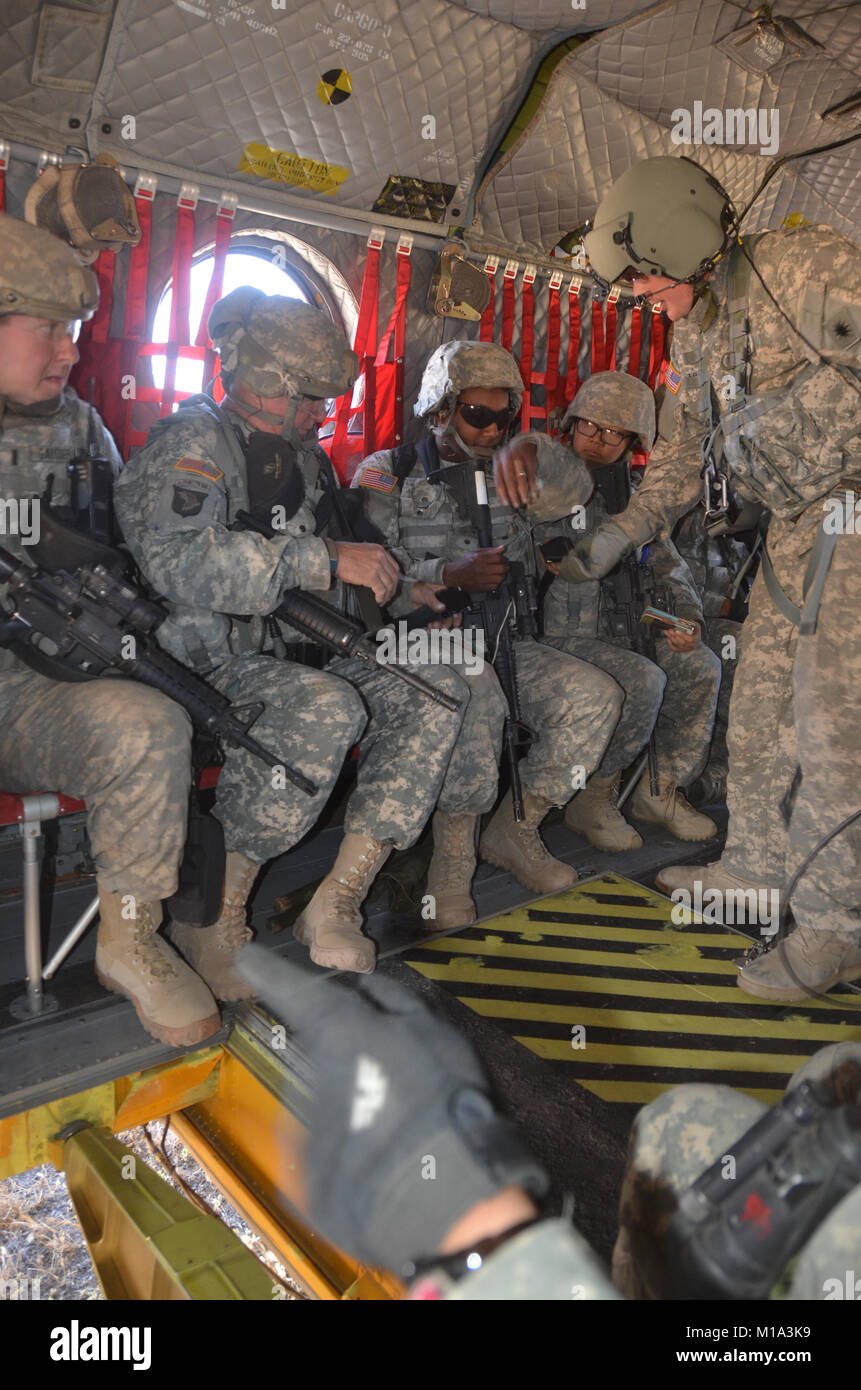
[664, 216]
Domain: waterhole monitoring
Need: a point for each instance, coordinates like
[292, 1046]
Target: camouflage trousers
[679, 691]
[572, 707]
[797, 705]
[674, 1140]
[405, 750]
[125, 750]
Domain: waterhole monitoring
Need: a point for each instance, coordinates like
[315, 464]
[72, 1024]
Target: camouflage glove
[403, 1136]
[595, 555]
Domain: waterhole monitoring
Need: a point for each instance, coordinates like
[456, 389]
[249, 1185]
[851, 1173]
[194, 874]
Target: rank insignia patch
[383, 482]
[199, 466]
[673, 379]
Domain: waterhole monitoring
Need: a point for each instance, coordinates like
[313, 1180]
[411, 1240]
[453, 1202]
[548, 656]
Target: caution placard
[286, 167]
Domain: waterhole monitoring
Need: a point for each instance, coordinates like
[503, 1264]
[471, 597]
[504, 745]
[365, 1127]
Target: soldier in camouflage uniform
[678, 1136]
[765, 370]
[679, 688]
[177, 501]
[122, 748]
[722, 569]
[469, 394]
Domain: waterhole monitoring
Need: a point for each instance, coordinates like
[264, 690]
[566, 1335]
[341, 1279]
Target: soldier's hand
[479, 572]
[423, 592]
[514, 467]
[369, 565]
[683, 641]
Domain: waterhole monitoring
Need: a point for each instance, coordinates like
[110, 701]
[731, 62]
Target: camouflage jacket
[424, 529]
[176, 501]
[34, 446]
[713, 562]
[590, 610]
[800, 423]
[548, 1262]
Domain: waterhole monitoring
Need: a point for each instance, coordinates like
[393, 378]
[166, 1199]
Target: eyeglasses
[587, 428]
[481, 417]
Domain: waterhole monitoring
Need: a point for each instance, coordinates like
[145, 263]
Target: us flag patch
[200, 466]
[383, 482]
[673, 379]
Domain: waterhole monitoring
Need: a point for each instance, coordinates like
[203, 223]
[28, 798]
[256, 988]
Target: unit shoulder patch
[188, 501]
[202, 467]
[376, 478]
[673, 379]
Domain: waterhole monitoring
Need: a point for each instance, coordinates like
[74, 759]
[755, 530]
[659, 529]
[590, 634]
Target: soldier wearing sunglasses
[470, 394]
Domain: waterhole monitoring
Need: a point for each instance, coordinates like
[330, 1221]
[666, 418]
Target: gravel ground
[42, 1250]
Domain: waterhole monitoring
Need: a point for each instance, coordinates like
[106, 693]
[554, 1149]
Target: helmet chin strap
[286, 422]
[481, 453]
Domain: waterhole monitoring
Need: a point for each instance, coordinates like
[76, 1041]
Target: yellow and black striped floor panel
[599, 980]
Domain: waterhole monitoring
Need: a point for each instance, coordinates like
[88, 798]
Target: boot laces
[147, 954]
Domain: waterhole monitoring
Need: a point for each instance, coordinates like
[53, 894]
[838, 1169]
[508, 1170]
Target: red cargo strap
[488, 318]
[383, 424]
[101, 320]
[223, 228]
[508, 305]
[135, 318]
[366, 325]
[527, 344]
[610, 341]
[572, 377]
[554, 335]
[597, 337]
[179, 332]
[636, 334]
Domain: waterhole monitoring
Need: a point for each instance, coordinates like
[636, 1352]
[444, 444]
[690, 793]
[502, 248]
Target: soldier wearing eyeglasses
[673, 688]
[469, 396]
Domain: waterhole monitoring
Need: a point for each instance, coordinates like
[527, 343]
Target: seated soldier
[470, 393]
[599, 622]
[178, 502]
[122, 748]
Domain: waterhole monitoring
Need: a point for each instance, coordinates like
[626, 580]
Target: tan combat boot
[709, 876]
[819, 959]
[451, 870]
[518, 847]
[210, 950]
[592, 812]
[173, 1004]
[331, 924]
[670, 808]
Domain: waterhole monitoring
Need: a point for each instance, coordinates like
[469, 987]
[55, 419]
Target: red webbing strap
[134, 325]
[554, 337]
[3, 163]
[488, 318]
[656, 351]
[527, 344]
[384, 427]
[134, 321]
[610, 340]
[636, 335]
[366, 323]
[508, 305]
[597, 337]
[101, 321]
[572, 376]
[183, 250]
[223, 228]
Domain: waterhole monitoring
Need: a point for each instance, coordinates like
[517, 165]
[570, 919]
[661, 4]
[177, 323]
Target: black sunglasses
[481, 417]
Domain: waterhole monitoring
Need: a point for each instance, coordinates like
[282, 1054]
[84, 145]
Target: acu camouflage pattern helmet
[617, 401]
[456, 366]
[281, 347]
[664, 216]
[41, 276]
